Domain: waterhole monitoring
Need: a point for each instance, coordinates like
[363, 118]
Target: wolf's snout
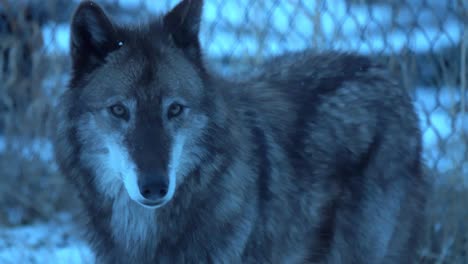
[153, 188]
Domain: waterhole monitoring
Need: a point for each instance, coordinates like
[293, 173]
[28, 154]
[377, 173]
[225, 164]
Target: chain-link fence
[424, 42]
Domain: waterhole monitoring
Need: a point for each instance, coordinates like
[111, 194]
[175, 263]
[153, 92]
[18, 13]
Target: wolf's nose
[154, 189]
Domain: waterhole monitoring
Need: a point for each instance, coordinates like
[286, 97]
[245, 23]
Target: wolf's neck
[135, 227]
[132, 224]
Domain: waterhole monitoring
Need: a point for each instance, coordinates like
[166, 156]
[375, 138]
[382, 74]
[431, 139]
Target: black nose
[153, 187]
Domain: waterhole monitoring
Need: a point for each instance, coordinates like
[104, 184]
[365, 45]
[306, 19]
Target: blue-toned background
[424, 42]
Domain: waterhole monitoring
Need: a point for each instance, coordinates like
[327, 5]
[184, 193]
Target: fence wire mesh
[424, 42]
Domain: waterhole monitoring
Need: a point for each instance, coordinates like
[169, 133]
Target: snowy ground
[52, 242]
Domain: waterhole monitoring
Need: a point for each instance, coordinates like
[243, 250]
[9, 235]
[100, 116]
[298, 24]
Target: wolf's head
[138, 101]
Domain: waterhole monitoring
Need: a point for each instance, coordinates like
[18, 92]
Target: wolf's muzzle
[153, 188]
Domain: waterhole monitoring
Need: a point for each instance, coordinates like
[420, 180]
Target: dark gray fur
[314, 159]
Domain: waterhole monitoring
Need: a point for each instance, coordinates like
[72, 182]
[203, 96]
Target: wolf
[314, 157]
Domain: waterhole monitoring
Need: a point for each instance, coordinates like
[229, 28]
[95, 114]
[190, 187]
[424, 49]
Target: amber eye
[120, 111]
[175, 110]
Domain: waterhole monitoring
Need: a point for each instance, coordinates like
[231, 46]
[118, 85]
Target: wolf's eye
[175, 110]
[120, 111]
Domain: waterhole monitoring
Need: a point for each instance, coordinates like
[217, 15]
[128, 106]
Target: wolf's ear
[93, 36]
[183, 23]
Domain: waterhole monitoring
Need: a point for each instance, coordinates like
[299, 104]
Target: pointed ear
[92, 36]
[183, 23]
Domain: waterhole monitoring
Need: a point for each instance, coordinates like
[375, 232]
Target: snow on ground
[52, 242]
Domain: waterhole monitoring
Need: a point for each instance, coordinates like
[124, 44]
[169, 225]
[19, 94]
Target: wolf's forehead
[150, 75]
[132, 73]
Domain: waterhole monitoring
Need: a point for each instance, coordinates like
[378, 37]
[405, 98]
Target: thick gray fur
[316, 158]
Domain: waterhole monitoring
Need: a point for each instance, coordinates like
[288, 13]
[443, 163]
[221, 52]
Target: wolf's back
[350, 134]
